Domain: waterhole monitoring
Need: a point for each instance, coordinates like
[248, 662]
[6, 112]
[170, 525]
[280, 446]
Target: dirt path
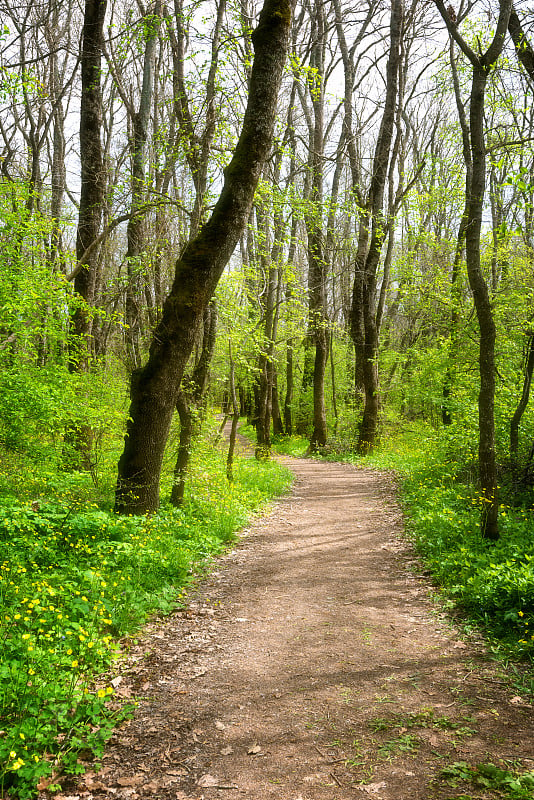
[312, 665]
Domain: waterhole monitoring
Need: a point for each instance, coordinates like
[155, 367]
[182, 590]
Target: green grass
[75, 579]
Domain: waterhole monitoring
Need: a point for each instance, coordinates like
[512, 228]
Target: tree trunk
[475, 188]
[235, 421]
[154, 388]
[184, 449]
[189, 404]
[135, 232]
[523, 48]
[288, 402]
[79, 439]
[448, 384]
[520, 410]
[268, 268]
[93, 183]
[316, 256]
[366, 293]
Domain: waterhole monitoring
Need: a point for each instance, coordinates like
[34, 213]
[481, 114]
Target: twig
[335, 779]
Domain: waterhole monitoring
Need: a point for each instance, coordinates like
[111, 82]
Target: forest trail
[311, 664]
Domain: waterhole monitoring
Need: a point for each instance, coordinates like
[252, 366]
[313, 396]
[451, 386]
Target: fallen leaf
[226, 751]
[254, 750]
[374, 788]
[66, 797]
[134, 780]
[220, 725]
[207, 780]
[93, 785]
[459, 646]
[45, 782]
[519, 701]
[116, 681]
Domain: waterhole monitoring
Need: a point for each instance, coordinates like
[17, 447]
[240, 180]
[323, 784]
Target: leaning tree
[154, 387]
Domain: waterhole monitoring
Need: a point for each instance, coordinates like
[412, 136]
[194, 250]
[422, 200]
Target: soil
[313, 663]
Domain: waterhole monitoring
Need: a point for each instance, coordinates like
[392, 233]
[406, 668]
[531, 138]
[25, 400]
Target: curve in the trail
[312, 665]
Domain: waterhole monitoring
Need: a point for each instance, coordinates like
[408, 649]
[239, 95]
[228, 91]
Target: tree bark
[154, 388]
[523, 48]
[93, 183]
[79, 439]
[520, 410]
[448, 384]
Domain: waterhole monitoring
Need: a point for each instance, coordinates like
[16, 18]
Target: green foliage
[511, 785]
[37, 405]
[492, 582]
[405, 743]
[34, 296]
[425, 718]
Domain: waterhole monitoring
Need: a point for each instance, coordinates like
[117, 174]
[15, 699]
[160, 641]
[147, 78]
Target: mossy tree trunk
[154, 388]
[235, 419]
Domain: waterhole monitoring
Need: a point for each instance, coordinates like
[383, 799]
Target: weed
[405, 743]
[510, 784]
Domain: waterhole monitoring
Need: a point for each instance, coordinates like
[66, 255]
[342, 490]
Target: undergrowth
[75, 578]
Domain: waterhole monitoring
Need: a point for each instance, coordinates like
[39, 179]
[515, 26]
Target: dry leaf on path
[227, 751]
[207, 780]
[373, 788]
[254, 750]
[134, 780]
[66, 797]
[519, 701]
[220, 725]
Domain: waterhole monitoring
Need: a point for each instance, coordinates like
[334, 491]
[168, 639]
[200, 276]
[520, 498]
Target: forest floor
[313, 663]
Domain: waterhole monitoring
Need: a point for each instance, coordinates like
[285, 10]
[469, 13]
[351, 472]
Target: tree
[523, 48]
[92, 195]
[154, 388]
[482, 64]
[370, 241]
[314, 225]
